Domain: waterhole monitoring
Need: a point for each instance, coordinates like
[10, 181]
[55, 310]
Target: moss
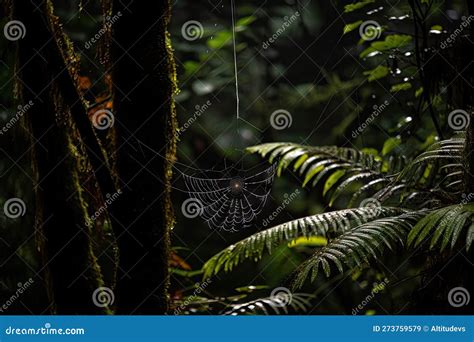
[64, 237]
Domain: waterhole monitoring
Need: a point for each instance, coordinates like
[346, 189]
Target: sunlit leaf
[400, 86]
[377, 73]
[357, 5]
[351, 27]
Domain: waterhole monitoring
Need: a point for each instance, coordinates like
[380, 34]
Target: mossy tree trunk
[144, 81]
[70, 267]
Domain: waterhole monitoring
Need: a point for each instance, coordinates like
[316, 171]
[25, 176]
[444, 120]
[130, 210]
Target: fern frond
[340, 167]
[442, 161]
[438, 170]
[444, 226]
[355, 247]
[273, 305]
[326, 224]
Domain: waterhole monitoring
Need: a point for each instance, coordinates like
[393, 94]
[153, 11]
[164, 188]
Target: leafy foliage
[340, 167]
[357, 236]
[326, 224]
[272, 305]
[444, 226]
[357, 246]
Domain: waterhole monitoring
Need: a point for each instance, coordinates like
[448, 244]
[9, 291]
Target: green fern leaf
[326, 224]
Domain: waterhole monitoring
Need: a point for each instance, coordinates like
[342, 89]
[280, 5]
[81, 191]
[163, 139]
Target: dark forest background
[319, 70]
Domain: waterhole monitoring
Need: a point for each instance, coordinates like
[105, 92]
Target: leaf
[419, 92]
[394, 41]
[351, 27]
[251, 288]
[390, 144]
[444, 224]
[332, 180]
[320, 225]
[242, 23]
[436, 29]
[400, 86]
[377, 73]
[357, 5]
[357, 245]
[470, 237]
[312, 241]
[220, 39]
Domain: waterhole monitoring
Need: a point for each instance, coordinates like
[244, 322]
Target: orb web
[230, 202]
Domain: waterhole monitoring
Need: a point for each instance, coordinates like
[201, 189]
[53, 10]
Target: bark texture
[144, 82]
[62, 222]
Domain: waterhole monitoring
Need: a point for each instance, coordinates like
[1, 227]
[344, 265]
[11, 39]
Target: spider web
[230, 203]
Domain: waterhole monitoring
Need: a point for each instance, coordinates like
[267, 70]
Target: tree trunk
[144, 81]
[70, 267]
